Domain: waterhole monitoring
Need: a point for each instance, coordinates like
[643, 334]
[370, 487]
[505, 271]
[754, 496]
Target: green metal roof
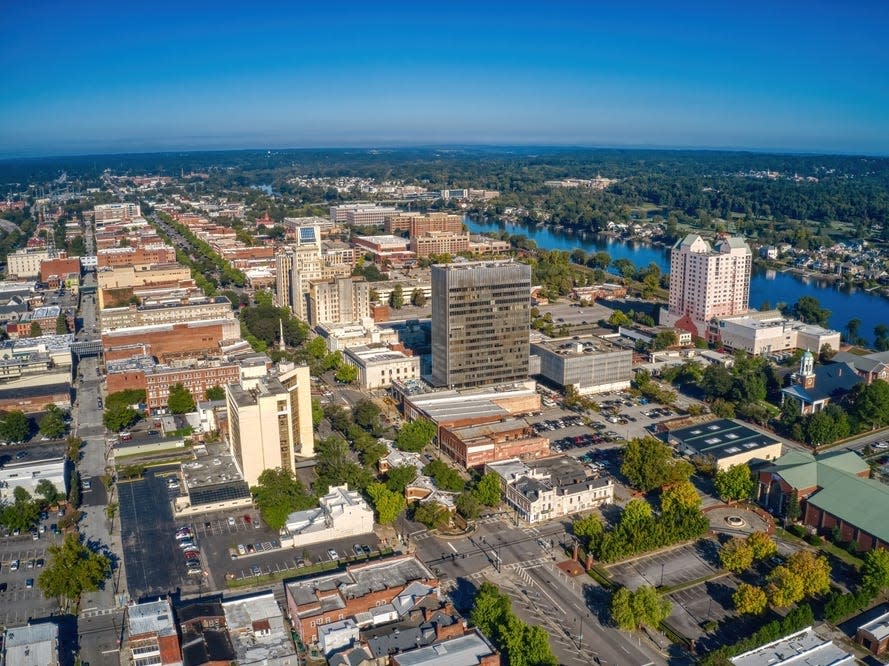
[803, 470]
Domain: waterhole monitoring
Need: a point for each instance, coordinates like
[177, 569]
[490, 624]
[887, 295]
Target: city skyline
[793, 78]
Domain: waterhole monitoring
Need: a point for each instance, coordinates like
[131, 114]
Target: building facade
[480, 323]
[707, 282]
[477, 445]
[439, 242]
[589, 364]
[340, 300]
[768, 333]
[25, 263]
[420, 224]
[378, 367]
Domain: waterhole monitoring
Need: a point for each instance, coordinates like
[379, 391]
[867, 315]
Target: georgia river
[844, 303]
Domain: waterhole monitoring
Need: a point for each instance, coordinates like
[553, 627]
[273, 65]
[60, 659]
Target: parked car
[14, 565]
[255, 570]
[358, 551]
[241, 549]
[231, 521]
[29, 583]
[332, 554]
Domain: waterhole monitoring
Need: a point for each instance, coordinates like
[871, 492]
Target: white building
[707, 282]
[32, 645]
[379, 366]
[364, 332]
[341, 513]
[28, 474]
[550, 487]
[258, 632]
[25, 263]
[299, 264]
[770, 332]
[803, 647]
[152, 636]
[340, 300]
[116, 211]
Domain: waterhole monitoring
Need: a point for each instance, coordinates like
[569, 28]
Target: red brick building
[473, 446]
[60, 267]
[136, 256]
[168, 342]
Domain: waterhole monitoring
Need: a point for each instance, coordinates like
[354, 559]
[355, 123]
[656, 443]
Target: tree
[53, 424]
[316, 348]
[749, 599]
[278, 494]
[367, 414]
[414, 436]
[22, 514]
[870, 403]
[649, 463]
[346, 373]
[618, 318]
[118, 417]
[215, 393]
[487, 490]
[35, 330]
[853, 328]
[664, 339]
[180, 400]
[716, 382]
[489, 609]
[444, 476]
[72, 570]
[74, 496]
[637, 514]
[813, 570]
[396, 297]
[875, 571]
[762, 545]
[61, 324]
[387, 504]
[809, 310]
[793, 510]
[398, 478]
[736, 555]
[826, 353]
[785, 587]
[468, 505]
[14, 426]
[589, 529]
[679, 495]
[633, 610]
[317, 412]
[418, 298]
[433, 515]
[734, 484]
[47, 490]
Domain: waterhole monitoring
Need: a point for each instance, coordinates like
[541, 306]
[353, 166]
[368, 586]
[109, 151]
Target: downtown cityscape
[519, 374]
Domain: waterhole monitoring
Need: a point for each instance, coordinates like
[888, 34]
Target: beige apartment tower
[707, 282]
[270, 425]
[299, 264]
[480, 323]
[341, 300]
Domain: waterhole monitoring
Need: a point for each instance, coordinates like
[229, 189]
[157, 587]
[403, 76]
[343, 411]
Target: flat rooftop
[804, 648]
[878, 627]
[465, 650]
[582, 345]
[373, 355]
[721, 438]
[32, 645]
[151, 617]
[449, 405]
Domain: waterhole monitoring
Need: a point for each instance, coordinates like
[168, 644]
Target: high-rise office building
[480, 323]
[707, 282]
[299, 264]
[341, 300]
[270, 424]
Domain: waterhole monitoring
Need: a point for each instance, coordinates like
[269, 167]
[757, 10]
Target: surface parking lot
[220, 537]
[671, 568]
[17, 602]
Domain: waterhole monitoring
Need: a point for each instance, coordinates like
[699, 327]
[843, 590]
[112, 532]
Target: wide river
[844, 303]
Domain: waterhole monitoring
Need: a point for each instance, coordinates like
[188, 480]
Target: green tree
[415, 435]
[809, 310]
[487, 490]
[680, 495]
[750, 600]
[432, 515]
[47, 490]
[316, 348]
[490, 609]
[418, 298]
[468, 505]
[73, 568]
[875, 571]
[444, 476]
[736, 555]
[215, 393]
[664, 339]
[53, 423]
[716, 382]
[22, 514]
[119, 417]
[793, 510]
[826, 353]
[618, 318]
[14, 426]
[649, 463]
[278, 494]
[870, 404]
[734, 484]
[61, 324]
[644, 607]
[317, 412]
[398, 478]
[396, 298]
[346, 373]
[387, 504]
[35, 330]
[588, 529]
[366, 413]
[74, 495]
[180, 400]
[814, 570]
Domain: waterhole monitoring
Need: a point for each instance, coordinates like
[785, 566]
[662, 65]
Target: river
[844, 303]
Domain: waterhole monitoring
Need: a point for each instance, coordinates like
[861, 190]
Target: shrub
[814, 540]
[798, 530]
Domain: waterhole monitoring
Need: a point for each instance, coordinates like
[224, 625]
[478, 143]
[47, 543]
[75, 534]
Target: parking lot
[670, 568]
[239, 545]
[18, 602]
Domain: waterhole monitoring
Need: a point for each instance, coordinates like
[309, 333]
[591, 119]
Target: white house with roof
[341, 513]
[32, 645]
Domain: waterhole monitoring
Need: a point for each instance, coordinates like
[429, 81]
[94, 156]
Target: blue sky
[85, 77]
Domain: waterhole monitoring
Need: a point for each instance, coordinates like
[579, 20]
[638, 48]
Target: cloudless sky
[98, 76]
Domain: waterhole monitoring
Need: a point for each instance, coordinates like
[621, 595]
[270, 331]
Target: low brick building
[474, 446]
[168, 342]
[60, 268]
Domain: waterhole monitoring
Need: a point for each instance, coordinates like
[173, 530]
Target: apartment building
[340, 300]
[480, 323]
[707, 281]
[170, 312]
[25, 263]
[439, 242]
[270, 424]
[116, 211]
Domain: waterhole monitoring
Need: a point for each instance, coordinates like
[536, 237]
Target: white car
[879, 446]
[14, 565]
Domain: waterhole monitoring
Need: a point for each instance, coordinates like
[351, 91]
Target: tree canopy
[14, 426]
[644, 607]
[415, 435]
[53, 423]
[735, 483]
[72, 569]
[278, 494]
[387, 503]
[649, 464]
[180, 400]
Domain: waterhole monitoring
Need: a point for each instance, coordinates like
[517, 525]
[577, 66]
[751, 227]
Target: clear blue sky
[97, 76]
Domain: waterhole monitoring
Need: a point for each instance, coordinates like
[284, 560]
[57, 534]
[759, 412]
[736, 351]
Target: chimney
[589, 561]
[576, 551]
